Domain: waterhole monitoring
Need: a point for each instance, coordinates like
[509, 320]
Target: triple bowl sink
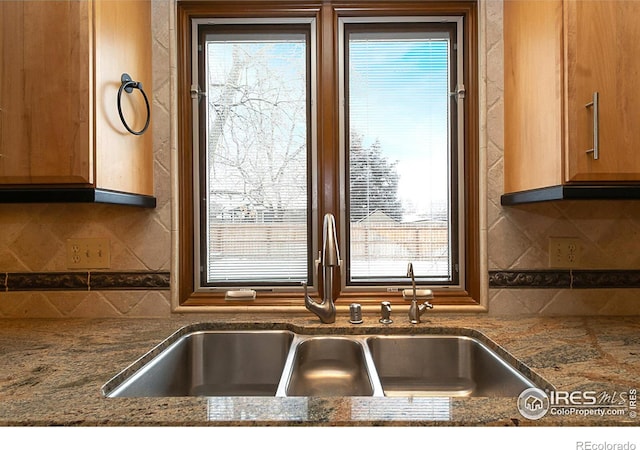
[286, 364]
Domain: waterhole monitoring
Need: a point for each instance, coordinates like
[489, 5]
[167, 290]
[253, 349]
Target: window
[254, 144]
[287, 114]
[401, 152]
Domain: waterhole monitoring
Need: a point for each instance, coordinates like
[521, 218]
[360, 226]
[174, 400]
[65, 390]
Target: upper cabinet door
[602, 54]
[44, 92]
[123, 162]
[533, 103]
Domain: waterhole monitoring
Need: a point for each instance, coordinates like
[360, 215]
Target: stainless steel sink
[212, 363]
[329, 366]
[452, 366]
[286, 364]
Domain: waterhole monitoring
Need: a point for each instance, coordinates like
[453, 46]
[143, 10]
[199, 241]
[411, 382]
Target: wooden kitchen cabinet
[558, 53]
[61, 137]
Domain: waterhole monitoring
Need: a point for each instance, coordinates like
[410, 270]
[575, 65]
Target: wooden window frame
[326, 14]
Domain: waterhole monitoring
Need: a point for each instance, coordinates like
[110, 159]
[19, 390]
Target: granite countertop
[53, 370]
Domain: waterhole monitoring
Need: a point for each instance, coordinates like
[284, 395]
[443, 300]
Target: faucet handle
[416, 310]
[317, 262]
[427, 304]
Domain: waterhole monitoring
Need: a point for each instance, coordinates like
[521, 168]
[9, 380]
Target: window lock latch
[459, 92]
[196, 93]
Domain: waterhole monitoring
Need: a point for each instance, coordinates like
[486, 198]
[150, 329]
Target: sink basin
[452, 366]
[329, 366]
[285, 364]
[212, 363]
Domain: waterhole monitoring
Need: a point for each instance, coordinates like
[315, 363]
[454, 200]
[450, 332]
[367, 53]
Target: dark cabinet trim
[74, 195]
[573, 192]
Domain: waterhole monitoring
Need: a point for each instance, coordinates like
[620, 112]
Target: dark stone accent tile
[590, 279]
[128, 280]
[3, 277]
[541, 279]
[50, 281]
[565, 279]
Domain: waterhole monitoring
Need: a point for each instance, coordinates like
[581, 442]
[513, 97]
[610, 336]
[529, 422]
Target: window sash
[378, 249]
[249, 251]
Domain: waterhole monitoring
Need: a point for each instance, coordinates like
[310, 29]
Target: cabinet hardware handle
[596, 129]
[128, 85]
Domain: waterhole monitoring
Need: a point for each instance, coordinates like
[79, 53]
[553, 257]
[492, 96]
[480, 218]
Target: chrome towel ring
[128, 85]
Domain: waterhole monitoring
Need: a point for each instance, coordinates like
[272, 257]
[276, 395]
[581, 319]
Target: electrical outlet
[565, 252]
[88, 253]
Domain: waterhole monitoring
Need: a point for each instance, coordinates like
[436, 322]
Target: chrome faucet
[415, 310]
[328, 259]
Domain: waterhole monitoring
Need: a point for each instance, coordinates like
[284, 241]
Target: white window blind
[256, 178]
[400, 162]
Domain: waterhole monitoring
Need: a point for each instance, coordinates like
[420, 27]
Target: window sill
[458, 301]
[342, 310]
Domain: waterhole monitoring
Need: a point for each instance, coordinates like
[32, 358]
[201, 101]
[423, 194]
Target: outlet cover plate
[88, 253]
[565, 252]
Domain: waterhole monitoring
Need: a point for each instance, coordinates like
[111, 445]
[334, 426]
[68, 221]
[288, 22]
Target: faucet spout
[413, 279]
[415, 310]
[330, 256]
[328, 261]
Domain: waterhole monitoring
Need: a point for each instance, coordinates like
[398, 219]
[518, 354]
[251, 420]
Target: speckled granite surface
[52, 371]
